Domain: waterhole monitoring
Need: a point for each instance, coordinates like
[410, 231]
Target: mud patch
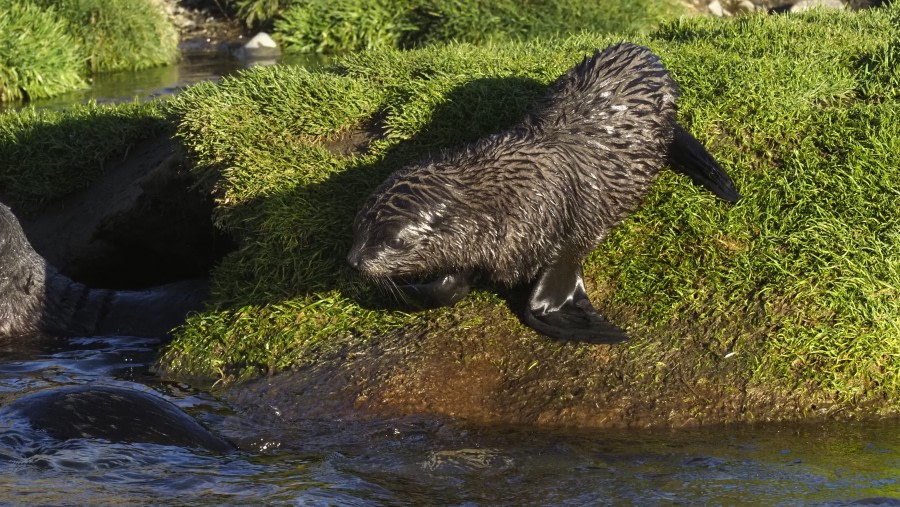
[356, 141]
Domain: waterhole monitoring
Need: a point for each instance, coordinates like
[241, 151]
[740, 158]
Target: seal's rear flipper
[559, 307]
[445, 291]
[690, 157]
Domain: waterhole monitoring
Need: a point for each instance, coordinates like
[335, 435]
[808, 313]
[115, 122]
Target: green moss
[347, 25]
[120, 34]
[800, 280]
[48, 154]
[38, 58]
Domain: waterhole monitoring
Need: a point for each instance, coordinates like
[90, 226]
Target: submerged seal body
[35, 298]
[526, 205]
[112, 413]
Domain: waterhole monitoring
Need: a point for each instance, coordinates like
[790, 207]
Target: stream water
[419, 462]
[411, 462]
[195, 66]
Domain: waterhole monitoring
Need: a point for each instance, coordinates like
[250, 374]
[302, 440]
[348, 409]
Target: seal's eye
[395, 243]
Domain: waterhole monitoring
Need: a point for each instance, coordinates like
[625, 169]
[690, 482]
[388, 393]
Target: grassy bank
[794, 291]
[351, 25]
[48, 154]
[48, 47]
[119, 34]
[784, 305]
[38, 56]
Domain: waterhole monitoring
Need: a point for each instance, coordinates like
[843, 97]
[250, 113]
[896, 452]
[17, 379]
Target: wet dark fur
[35, 298]
[550, 188]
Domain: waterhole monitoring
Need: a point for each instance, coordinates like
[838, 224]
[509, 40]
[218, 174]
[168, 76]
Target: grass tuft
[351, 25]
[38, 57]
[120, 34]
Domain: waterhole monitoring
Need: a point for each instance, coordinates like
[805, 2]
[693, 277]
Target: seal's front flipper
[690, 157]
[559, 307]
[445, 291]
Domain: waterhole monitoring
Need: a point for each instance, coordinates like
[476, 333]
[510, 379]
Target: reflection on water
[194, 67]
[419, 462]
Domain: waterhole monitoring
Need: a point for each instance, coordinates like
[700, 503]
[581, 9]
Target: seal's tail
[690, 157]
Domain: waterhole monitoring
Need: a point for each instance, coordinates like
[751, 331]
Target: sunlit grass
[348, 25]
[798, 283]
[119, 34]
[48, 47]
[38, 56]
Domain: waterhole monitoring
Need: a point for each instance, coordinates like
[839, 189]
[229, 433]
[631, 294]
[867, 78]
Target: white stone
[716, 8]
[260, 49]
[262, 40]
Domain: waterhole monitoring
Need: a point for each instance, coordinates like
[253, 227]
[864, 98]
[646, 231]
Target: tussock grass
[48, 47]
[38, 57]
[347, 25]
[48, 154]
[120, 34]
[799, 283]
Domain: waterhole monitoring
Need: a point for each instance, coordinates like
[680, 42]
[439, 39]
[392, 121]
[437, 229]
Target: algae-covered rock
[782, 306]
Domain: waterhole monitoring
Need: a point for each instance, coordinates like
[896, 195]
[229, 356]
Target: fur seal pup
[36, 298]
[526, 205]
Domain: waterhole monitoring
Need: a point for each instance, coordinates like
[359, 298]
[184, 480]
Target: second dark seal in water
[526, 205]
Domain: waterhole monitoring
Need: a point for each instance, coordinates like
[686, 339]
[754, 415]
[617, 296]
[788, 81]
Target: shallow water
[196, 65]
[418, 462]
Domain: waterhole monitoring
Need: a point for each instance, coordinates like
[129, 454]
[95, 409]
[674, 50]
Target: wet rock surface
[485, 375]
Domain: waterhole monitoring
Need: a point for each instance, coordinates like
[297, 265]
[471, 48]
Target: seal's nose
[353, 259]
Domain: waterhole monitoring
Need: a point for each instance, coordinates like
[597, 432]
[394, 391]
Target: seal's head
[406, 229]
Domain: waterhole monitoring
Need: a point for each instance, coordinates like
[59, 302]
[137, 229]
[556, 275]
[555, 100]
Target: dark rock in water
[115, 414]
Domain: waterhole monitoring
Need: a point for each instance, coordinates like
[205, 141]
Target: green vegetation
[48, 154]
[120, 34]
[800, 280]
[256, 13]
[793, 293]
[47, 47]
[348, 25]
[38, 58]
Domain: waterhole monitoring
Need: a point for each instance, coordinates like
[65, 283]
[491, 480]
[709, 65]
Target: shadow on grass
[471, 111]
